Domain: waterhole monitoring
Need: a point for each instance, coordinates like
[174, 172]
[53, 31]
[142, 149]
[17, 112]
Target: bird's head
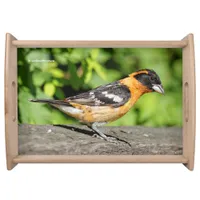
[149, 79]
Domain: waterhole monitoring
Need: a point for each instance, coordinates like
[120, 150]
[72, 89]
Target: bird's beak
[158, 88]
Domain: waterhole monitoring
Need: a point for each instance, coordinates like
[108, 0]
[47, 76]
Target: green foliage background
[61, 72]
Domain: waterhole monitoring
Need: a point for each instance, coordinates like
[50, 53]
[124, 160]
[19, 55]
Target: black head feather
[148, 78]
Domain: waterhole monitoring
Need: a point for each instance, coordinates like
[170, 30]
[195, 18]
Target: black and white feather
[114, 94]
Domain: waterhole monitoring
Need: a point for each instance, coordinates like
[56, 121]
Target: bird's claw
[95, 135]
[108, 139]
[112, 139]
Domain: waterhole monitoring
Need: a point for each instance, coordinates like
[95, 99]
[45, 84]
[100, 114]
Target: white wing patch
[70, 110]
[98, 102]
[92, 95]
[113, 96]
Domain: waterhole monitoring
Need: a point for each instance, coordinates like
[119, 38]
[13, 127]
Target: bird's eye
[152, 78]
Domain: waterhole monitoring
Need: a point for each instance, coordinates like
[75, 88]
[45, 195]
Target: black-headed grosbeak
[109, 102]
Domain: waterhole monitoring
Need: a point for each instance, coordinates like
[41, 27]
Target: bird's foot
[95, 135]
[106, 138]
[117, 141]
[112, 139]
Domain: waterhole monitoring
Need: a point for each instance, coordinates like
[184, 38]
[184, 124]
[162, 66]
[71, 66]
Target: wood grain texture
[189, 101]
[109, 44]
[100, 159]
[11, 131]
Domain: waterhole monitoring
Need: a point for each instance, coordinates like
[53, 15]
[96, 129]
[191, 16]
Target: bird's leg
[99, 133]
[95, 129]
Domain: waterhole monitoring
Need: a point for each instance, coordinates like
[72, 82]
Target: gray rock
[78, 140]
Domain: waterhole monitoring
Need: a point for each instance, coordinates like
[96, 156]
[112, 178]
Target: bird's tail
[50, 101]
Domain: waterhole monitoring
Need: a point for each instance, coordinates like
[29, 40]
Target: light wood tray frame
[189, 104]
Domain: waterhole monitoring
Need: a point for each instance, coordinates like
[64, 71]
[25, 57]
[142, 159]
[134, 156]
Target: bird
[109, 102]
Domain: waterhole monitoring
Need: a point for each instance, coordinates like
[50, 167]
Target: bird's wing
[114, 94]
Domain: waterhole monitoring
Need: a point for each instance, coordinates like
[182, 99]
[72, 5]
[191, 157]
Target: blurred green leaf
[88, 74]
[177, 70]
[97, 67]
[56, 72]
[75, 81]
[36, 54]
[94, 54]
[100, 70]
[78, 54]
[49, 89]
[103, 56]
[52, 64]
[40, 77]
[57, 82]
[59, 93]
[62, 58]
[31, 112]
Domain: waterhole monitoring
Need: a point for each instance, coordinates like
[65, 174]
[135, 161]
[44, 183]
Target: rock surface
[78, 140]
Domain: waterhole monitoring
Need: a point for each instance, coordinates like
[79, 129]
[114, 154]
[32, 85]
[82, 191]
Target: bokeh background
[61, 72]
